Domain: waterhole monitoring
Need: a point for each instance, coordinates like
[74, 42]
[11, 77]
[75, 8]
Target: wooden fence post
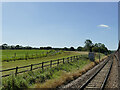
[14, 56]
[16, 71]
[42, 65]
[51, 63]
[63, 61]
[74, 57]
[31, 67]
[71, 59]
[68, 59]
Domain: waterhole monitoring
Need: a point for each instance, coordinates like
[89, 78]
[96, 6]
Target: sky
[60, 24]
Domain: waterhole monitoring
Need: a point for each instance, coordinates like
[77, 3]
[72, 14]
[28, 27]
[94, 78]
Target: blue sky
[62, 24]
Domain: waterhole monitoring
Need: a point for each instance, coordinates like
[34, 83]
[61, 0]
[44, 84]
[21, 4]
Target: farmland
[10, 55]
[11, 64]
[34, 78]
[46, 55]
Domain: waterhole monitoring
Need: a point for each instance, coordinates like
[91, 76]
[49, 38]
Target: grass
[66, 77]
[49, 78]
[41, 76]
[7, 54]
[19, 63]
[12, 55]
[12, 64]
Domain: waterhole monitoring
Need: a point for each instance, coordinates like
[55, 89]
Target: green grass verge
[27, 79]
[19, 63]
[33, 78]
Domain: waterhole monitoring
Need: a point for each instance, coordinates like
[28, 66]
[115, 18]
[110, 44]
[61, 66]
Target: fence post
[31, 67]
[58, 62]
[63, 61]
[77, 57]
[42, 65]
[16, 71]
[71, 59]
[51, 63]
[68, 59]
[74, 57]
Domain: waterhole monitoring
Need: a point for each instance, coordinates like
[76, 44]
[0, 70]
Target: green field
[12, 64]
[35, 78]
[10, 55]
[47, 78]
[20, 63]
[28, 79]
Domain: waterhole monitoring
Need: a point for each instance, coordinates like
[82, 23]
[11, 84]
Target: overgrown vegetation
[38, 77]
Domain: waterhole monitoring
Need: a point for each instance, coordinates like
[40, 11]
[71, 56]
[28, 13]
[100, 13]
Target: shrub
[14, 83]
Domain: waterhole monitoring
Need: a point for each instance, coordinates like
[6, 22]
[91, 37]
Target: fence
[42, 65]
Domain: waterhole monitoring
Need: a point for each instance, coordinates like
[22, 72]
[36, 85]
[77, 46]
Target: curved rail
[91, 78]
[105, 80]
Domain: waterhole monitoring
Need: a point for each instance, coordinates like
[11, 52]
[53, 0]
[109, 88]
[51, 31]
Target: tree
[12, 47]
[95, 49]
[28, 47]
[99, 47]
[48, 47]
[72, 49]
[79, 48]
[88, 45]
[4, 46]
[0, 47]
[65, 48]
[17, 47]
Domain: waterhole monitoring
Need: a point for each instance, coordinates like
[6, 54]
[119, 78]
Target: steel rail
[106, 78]
[91, 78]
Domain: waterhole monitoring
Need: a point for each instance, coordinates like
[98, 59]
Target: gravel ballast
[112, 81]
[81, 80]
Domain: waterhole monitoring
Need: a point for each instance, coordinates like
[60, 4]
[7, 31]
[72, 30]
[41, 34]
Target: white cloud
[103, 25]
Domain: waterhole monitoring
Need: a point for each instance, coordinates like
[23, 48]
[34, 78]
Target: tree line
[89, 46]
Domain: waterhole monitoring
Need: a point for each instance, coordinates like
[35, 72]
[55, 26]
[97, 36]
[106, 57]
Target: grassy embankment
[70, 72]
[12, 64]
[53, 77]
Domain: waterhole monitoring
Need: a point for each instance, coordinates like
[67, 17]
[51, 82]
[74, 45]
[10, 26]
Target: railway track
[99, 78]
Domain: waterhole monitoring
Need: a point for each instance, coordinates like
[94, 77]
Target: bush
[14, 83]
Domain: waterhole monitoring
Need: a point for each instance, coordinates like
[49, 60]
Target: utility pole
[99, 53]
